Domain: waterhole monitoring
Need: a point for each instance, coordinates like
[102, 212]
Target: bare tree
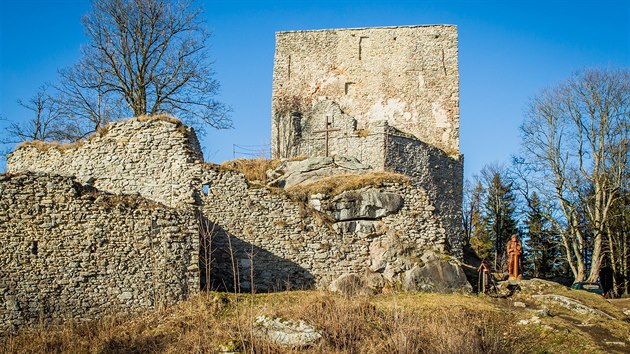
[87, 103]
[152, 54]
[43, 123]
[571, 137]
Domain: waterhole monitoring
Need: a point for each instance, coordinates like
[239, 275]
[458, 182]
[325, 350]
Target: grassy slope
[404, 323]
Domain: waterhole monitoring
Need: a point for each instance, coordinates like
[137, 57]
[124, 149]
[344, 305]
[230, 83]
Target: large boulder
[436, 275]
[286, 332]
[292, 173]
[365, 205]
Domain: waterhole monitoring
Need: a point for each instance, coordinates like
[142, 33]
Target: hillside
[394, 322]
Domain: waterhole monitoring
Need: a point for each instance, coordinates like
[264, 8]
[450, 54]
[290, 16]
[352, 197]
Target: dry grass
[159, 117]
[45, 146]
[361, 325]
[62, 147]
[335, 185]
[254, 170]
[179, 126]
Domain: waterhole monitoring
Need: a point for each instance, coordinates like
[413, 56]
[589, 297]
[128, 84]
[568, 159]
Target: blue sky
[508, 51]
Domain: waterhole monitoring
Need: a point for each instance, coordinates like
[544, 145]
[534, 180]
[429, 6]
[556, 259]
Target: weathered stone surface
[340, 80]
[436, 275]
[86, 253]
[274, 242]
[533, 320]
[350, 285]
[288, 333]
[367, 228]
[536, 286]
[407, 76]
[571, 304]
[295, 247]
[292, 173]
[155, 158]
[368, 204]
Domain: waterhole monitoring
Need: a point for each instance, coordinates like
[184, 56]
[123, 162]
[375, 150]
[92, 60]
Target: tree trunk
[596, 258]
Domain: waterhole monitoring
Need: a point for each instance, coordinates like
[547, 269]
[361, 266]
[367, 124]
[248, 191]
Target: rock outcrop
[365, 205]
[436, 275]
[292, 173]
[571, 304]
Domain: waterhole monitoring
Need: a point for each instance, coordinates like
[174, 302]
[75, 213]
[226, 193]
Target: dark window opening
[34, 248]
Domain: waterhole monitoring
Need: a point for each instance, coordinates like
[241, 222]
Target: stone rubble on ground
[287, 333]
[571, 304]
[534, 320]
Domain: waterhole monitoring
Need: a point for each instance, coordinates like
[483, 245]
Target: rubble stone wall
[277, 243]
[441, 175]
[173, 224]
[68, 251]
[153, 157]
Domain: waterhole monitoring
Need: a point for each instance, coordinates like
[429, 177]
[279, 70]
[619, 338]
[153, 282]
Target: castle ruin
[386, 96]
[133, 218]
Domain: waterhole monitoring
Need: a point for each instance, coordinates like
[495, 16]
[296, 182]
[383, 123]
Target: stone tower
[350, 81]
[387, 96]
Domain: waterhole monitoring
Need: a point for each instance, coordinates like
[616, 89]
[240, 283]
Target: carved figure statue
[514, 249]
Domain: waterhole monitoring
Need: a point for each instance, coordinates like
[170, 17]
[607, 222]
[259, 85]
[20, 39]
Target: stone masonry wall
[386, 148]
[154, 157]
[407, 76]
[68, 251]
[441, 175]
[280, 244]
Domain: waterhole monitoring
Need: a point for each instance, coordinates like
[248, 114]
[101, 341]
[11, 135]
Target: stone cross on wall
[326, 130]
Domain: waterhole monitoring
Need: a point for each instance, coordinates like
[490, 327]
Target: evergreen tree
[499, 216]
[479, 237]
[542, 245]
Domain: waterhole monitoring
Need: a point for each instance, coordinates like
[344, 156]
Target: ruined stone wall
[366, 145]
[407, 76]
[68, 251]
[153, 157]
[279, 243]
[385, 148]
[440, 174]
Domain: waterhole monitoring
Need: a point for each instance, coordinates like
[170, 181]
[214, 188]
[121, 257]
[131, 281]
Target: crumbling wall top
[155, 157]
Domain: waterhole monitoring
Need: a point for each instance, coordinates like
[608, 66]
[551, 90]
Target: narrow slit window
[34, 249]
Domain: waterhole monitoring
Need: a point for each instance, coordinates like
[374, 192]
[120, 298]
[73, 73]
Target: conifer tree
[542, 243]
[477, 230]
[499, 216]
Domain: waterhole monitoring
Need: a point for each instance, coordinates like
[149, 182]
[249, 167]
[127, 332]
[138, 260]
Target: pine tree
[541, 242]
[499, 216]
[479, 236]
